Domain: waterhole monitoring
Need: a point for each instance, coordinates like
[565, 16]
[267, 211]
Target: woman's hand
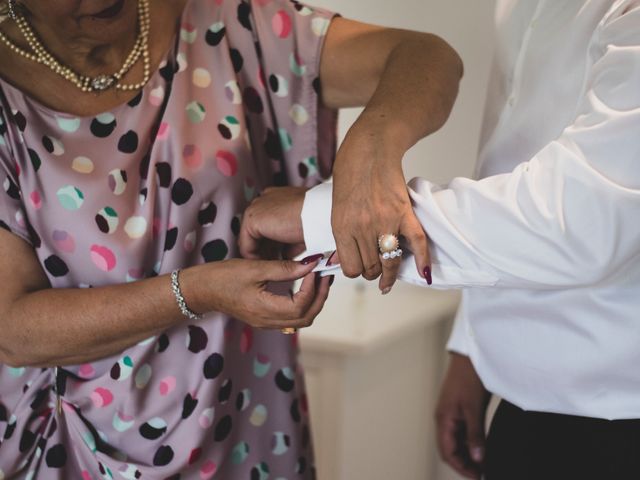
[271, 222]
[370, 198]
[460, 418]
[241, 289]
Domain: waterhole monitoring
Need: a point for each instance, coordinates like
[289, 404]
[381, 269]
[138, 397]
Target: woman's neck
[85, 55]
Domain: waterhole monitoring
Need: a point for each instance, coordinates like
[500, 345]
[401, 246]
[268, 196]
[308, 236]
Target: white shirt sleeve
[568, 218]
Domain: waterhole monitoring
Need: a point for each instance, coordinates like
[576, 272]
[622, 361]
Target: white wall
[467, 25]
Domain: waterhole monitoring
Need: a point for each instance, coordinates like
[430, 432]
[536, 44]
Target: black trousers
[524, 445]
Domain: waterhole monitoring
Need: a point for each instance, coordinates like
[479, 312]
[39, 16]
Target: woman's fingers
[417, 242]
[370, 257]
[350, 258]
[390, 269]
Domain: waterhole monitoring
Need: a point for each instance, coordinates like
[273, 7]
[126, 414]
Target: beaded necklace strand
[86, 83]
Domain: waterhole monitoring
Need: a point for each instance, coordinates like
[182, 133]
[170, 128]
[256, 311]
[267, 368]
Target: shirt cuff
[459, 338]
[316, 219]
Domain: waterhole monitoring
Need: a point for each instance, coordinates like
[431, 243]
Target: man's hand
[273, 220]
[460, 416]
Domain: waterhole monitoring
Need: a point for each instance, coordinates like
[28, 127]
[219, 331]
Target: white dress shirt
[547, 243]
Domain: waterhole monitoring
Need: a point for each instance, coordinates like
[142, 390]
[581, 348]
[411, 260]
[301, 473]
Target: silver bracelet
[175, 286]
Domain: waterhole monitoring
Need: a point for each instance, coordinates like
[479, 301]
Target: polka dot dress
[152, 185]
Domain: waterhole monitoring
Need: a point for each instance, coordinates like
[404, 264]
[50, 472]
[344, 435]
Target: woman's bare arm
[42, 326]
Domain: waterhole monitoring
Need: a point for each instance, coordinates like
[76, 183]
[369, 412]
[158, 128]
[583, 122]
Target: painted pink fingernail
[330, 259]
[311, 258]
[427, 275]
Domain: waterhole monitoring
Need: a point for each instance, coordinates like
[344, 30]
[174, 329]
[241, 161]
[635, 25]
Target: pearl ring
[389, 246]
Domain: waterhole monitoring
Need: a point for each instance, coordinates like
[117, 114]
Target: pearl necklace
[85, 83]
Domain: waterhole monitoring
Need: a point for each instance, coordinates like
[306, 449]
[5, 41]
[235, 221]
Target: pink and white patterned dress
[152, 185]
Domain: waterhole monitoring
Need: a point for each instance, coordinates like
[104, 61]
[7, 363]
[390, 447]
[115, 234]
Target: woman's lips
[111, 11]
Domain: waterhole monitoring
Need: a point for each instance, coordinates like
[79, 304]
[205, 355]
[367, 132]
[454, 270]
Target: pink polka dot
[64, 241]
[226, 163]
[206, 418]
[167, 385]
[156, 96]
[103, 258]
[86, 371]
[194, 456]
[17, 168]
[192, 156]
[246, 339]
[281, 24]
[261, 78]
[163, 131]
[101, 397]
[86, 475]
[208, 470]
[36, 200]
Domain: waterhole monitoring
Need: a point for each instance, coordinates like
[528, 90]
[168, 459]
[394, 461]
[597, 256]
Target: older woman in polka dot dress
[133, 134]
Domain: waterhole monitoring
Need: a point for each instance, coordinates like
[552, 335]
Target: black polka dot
[235, 225]
[213, 366]
[197, 340]
[163, 343]
[303, 170]
[163, 170]
[295, 410]
[272, 145]
[102, 130]
[224, 394]
[8, 432]
[207, 214]
[27, 440]
[150, 432]
[189, 404]
[115, 371]
[144, 166]
[128, 143]
[20, 120]
[223, 428]
[301, 466]
[163, 456]
[56, 266]
[283, 382]
[135, 101]
[252, 100]
[168, 71]
[317, 86]
[236, 59]
[170, 239]
[3, 413]
[244, 15]
[11, 189]
[215, 251]
[242, 401]
[181, 191]
[39, 399]
[260, 471]
[35, 159]
[56, 456]
[224, 131]
[214, 38]
[280, 179]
